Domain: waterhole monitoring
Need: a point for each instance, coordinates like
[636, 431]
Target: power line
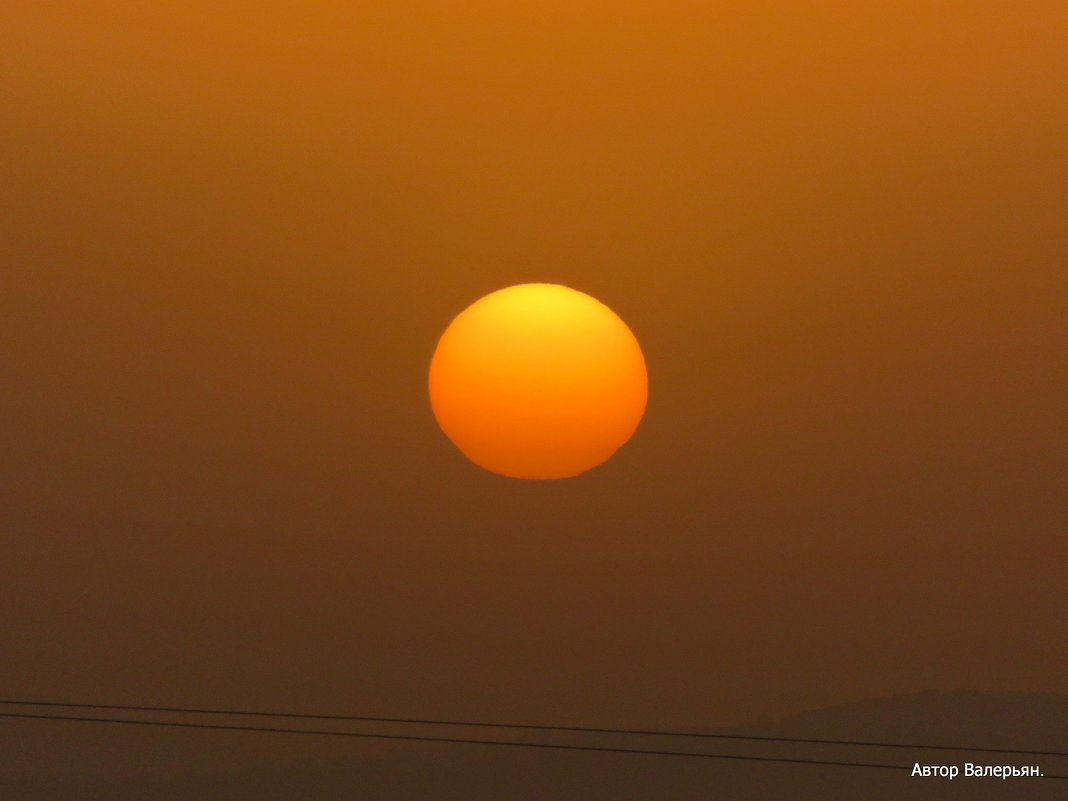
[465, 741]
[532, 727]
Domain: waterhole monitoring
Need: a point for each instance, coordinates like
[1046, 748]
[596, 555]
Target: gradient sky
[231, 233]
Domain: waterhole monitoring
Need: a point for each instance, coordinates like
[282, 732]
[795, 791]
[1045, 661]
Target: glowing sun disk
[538, 381]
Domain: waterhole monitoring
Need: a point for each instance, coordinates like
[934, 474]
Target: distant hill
[41, 761]
[1016, 720]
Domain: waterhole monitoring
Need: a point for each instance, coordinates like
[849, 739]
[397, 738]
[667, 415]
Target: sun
[538, 381]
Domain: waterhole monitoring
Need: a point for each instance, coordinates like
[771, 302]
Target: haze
[230, 237]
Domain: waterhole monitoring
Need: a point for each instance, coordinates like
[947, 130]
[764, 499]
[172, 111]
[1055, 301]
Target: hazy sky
[230, 235]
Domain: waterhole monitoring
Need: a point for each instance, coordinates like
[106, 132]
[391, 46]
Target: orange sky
[230, 235]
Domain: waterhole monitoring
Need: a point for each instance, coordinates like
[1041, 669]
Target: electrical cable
[458, 740]
[532, 727]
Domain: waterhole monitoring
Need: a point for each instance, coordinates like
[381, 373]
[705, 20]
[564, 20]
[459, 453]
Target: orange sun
[538, 381]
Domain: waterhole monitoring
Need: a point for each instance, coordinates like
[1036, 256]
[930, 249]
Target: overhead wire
[464, 740]
[531, 727]
[467, 741]
[460, 740]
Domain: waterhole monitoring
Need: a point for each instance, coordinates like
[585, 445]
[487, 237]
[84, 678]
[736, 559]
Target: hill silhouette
[1033, 721]
[46, 760]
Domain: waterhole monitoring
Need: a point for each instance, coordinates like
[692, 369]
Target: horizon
[334, 769]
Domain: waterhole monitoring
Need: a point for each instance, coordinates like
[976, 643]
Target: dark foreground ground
[42, 761]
